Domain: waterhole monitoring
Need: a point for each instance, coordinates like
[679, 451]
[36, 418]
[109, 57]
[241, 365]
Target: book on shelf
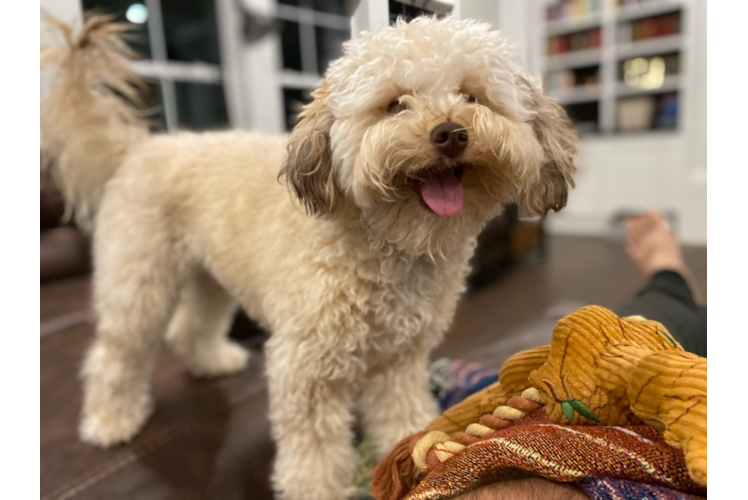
[652, 27]
[648, 112]
[642, 3]
[566, 10]
[648, 28]
[631, 87]
[569, 80]
[582, 40]
[667, 111]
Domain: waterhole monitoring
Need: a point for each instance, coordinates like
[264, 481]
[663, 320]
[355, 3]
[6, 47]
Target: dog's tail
[89, 116]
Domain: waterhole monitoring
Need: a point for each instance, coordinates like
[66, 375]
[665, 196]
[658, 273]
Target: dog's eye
[396, 106]
[469, 97]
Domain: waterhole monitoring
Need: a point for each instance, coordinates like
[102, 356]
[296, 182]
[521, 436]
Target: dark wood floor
[211, 439]
[520, 309]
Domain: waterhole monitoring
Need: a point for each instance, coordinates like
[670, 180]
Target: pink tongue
[443, 193]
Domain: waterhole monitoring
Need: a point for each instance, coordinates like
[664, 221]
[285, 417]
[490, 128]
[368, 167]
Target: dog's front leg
[311, 418]
[396, 401]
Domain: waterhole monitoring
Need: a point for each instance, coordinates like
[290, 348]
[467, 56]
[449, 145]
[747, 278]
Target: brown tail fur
[88, 116]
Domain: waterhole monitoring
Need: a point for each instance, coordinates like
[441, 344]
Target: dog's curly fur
[357, 290]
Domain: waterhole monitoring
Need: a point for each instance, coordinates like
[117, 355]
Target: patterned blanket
[608, 462]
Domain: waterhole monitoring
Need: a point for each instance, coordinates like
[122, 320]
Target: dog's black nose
[449, 138]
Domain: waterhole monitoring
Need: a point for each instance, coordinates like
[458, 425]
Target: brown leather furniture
[64, 250]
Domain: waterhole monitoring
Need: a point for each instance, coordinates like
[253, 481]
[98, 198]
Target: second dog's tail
[88, 116]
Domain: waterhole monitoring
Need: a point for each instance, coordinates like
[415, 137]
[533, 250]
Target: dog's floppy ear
[556, 135]
[308, 166]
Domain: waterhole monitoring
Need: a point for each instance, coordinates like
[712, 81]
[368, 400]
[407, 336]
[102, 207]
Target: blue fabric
[453, 380]
[606, 488]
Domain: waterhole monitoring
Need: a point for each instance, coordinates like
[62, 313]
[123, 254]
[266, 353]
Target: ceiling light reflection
[137, 13]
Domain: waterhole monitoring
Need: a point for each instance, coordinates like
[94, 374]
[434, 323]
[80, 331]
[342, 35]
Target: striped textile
[609, 462]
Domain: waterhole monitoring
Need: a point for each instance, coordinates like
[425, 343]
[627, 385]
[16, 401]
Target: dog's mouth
[440, 189]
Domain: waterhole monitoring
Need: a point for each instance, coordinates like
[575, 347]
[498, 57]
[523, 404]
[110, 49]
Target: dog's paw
[110, 426]
[222, 358]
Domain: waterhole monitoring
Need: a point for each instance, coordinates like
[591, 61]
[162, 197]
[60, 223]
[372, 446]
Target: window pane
[191, 30]
[201, 106]
[125, 11]
[189, 26]
[291, 46]
[154, 106]
[329, 46]
[407, 12]
[293, 101]
[341, 7]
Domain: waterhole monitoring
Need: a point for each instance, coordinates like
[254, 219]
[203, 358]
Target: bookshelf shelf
[649, 47]
[627, 62]
[635, 12]
[671, 83]
[566, 26]
[577, 95]
[575, 59]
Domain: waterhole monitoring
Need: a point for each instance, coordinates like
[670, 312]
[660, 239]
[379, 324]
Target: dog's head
[428, 129]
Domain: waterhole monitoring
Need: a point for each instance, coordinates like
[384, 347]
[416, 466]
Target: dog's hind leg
[198, 331]
[135, 290]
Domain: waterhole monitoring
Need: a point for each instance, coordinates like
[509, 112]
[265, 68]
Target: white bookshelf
[653, 46]
[572, 60]
[579, 94]
[565, 26]
[613, 21]
[648, 9]
[671, 83]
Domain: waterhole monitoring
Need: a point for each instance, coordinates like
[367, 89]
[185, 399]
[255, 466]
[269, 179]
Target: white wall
[67, 11]
[484, 10]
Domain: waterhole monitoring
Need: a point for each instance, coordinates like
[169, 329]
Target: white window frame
[372, 14]
[167, 72]
[255, 79]
[252, 78]
[159, 68]
[69, 12]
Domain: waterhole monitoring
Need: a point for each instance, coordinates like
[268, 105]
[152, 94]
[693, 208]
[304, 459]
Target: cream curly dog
[417, 136]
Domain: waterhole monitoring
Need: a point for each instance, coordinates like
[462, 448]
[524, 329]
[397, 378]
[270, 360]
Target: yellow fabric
[601, 369]
[668, 391]
[592, 353]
